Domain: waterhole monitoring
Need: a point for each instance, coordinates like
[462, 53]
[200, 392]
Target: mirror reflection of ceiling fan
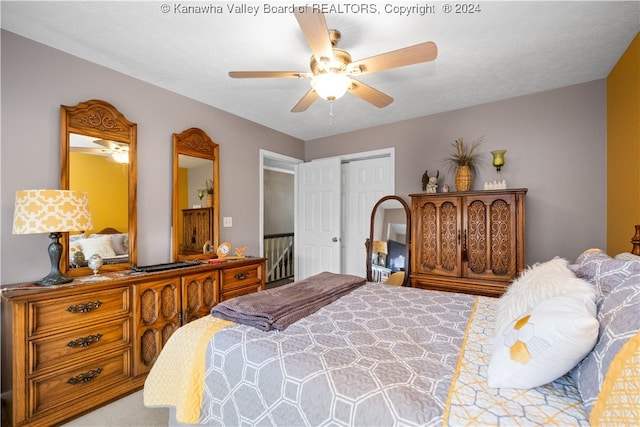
[116, 151]
[332, 70]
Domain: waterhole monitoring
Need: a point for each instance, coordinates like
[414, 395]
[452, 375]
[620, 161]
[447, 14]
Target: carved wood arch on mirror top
[196, 230]
[388, 214]
[105, 130]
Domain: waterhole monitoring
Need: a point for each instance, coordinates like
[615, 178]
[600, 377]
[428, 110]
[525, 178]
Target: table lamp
[380, 247]
[53, 212]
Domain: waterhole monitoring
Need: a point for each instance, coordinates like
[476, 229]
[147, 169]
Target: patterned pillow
[536, 284]
[545, 343]
[605, 272]
[120, 244]
[619, 319]
[628, 256]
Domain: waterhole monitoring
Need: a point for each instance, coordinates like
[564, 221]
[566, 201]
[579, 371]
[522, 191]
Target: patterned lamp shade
[46, 211]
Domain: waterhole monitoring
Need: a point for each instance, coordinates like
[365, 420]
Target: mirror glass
[195, 195]
[98, 156]
[389, 242]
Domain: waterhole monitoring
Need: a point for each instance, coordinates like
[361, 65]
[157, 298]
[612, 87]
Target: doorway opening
[277, 217]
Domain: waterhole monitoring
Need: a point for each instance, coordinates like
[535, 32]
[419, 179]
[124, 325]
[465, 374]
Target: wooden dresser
[470, 242]
[71, 348]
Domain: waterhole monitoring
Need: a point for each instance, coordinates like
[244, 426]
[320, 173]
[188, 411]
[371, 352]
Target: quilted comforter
[381, 355]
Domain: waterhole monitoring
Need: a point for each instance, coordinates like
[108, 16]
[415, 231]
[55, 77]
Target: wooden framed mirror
[98, 155]
[196, 195]
[389, 242]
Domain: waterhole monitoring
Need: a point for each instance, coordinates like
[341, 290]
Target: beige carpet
[126, 412]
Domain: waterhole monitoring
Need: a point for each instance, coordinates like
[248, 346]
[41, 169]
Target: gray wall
[36, 80]
[556, 147]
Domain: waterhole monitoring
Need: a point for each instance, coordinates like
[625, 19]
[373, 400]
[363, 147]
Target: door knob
[335, 239]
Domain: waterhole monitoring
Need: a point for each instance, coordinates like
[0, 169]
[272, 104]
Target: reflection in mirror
[195, 195]
[389, 242]
[98, 156]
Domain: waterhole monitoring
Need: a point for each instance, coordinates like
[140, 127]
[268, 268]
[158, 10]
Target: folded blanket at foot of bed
[279, 307]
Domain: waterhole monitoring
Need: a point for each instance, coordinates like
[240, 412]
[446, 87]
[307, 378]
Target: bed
[560, 347]
[111, 244]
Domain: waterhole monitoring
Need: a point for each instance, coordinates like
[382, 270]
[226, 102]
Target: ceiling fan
[332, 70]
[117, 152]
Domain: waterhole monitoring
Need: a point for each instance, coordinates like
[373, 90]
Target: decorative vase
[209, 200]
[464, 178]
[94, 263]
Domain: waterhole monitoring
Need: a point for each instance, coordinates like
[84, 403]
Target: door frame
[270, 160]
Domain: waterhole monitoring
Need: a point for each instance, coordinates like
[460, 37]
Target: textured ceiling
[502, 50]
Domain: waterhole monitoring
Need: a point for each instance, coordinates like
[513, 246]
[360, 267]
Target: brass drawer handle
[84, 342]
[86, 377]
[241, 276]
[84, 308]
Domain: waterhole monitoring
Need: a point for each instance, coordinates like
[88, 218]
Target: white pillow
[544, 344]
[536, 284]
[99, 245]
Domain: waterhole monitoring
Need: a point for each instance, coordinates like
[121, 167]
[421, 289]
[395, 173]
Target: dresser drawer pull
[86, 377]
[84, 308]
[85, 341]
[241, 276]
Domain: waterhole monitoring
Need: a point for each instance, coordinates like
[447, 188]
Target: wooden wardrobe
[469, 242]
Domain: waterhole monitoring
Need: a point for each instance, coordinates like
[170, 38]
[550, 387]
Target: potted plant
[463, 160]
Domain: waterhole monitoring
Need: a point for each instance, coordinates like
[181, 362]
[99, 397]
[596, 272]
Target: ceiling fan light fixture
[120, 157]
[331, 86]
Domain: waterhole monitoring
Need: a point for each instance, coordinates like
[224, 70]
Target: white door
[317, 229]
[366, 181]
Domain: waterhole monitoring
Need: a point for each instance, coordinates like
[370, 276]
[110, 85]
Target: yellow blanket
[182, 362]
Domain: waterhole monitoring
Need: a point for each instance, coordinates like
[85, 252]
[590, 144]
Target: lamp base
[55, 277]
[52, 280]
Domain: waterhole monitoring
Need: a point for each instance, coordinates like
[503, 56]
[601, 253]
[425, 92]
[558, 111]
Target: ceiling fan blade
[305, 101]
[110, 145]
[422, 52]
[89, 150]
[369, 94]
[268, 74]
[314, 27]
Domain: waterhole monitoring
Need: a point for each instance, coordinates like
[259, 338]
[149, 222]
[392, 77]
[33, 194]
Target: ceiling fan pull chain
[331, 113]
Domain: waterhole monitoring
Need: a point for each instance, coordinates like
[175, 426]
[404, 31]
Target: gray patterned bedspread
[374, 357]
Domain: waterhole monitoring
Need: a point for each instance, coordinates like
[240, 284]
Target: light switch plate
[227, 221]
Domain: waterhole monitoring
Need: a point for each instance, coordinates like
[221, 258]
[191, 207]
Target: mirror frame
[195, 142]
[369, 245]
[99, 119]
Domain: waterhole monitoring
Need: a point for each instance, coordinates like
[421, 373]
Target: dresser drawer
[254, 287]
[84, 343]
[70, 312]
[233, 279]
[62, 388]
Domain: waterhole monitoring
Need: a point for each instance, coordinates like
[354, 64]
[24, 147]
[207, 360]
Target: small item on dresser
[78, 259]
[430, 183]
[223, 250]
[94, 263]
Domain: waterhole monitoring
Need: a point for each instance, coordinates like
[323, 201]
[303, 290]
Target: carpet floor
[126, 412]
